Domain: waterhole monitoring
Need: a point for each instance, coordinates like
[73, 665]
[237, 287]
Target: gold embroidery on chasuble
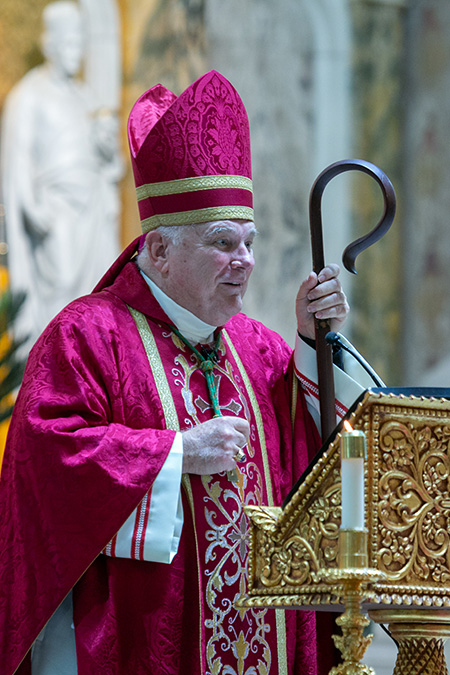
[237, 642]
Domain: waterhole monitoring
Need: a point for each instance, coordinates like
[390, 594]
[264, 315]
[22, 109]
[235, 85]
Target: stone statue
[60, 168]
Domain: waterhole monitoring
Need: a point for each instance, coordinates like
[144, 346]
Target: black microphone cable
[337, 341]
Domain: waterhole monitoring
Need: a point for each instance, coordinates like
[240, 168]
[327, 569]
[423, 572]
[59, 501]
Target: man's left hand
[321, 296]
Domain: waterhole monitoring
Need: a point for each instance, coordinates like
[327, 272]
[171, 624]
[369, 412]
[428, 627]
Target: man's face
[208, 272]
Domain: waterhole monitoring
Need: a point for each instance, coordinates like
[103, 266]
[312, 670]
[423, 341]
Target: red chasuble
[106, 387]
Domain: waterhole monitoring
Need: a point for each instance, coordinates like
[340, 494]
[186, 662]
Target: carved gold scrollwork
[414, 502]
[310, 544]
[407, 508]
[264, 516]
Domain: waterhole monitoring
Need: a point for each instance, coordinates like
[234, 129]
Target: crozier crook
[322, 327]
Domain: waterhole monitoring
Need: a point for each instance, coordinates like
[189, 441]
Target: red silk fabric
[87, 440]
[151, 105]
[202, 132]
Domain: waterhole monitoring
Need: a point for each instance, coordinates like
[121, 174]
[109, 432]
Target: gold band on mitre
[194, 184]
[197, 199]
[197, 216]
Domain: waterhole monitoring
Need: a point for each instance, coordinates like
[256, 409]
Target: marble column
[427, 195]
[378, 37]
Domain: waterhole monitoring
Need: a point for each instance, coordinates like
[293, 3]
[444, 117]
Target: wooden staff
[322, 327]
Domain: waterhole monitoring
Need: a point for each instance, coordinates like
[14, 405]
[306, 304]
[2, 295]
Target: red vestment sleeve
[86, 441]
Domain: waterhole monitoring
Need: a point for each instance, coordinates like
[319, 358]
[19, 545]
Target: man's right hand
[211, 446]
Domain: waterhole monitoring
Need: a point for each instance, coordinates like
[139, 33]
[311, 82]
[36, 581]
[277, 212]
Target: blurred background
[322, 80]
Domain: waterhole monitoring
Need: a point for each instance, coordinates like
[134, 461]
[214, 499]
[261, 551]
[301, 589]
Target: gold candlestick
[352, 643]
[353, 575]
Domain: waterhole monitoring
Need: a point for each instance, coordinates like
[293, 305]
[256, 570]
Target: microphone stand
[337, 340]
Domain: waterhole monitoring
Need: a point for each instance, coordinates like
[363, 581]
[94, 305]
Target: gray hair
[175, 233]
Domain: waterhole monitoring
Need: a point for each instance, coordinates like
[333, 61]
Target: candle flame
[348, 426]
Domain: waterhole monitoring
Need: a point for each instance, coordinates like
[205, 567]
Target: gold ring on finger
[240, 457]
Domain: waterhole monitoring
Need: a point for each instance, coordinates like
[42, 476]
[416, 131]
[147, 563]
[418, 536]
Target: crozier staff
[125, 543]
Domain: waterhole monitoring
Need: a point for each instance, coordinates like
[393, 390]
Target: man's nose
[243, 257]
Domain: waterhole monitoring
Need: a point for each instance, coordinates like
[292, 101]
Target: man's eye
[222, 242]
[249, 245]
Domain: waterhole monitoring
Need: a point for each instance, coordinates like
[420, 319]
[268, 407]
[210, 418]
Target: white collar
[190, 326]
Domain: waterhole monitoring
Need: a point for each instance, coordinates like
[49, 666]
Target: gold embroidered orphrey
[407, 515]
[237, 525]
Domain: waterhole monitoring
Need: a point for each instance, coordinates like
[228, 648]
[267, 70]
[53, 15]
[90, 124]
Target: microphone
[336, 340]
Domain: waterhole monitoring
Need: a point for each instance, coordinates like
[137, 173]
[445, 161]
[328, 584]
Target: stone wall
[427, 195]
[378, 67]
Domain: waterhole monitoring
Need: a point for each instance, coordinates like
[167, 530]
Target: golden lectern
[397, 567]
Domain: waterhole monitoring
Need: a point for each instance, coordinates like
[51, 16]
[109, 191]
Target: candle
[353, 452]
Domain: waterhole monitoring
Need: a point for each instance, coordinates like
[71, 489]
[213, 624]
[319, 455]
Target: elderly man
[152, 411]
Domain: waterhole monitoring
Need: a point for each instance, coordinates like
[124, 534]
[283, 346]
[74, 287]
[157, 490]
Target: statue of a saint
[60, 168]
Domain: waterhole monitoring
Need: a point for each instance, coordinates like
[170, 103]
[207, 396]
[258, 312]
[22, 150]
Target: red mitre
[191, 154]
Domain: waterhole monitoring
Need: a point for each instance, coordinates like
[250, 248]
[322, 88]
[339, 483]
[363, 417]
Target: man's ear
[157, 248]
